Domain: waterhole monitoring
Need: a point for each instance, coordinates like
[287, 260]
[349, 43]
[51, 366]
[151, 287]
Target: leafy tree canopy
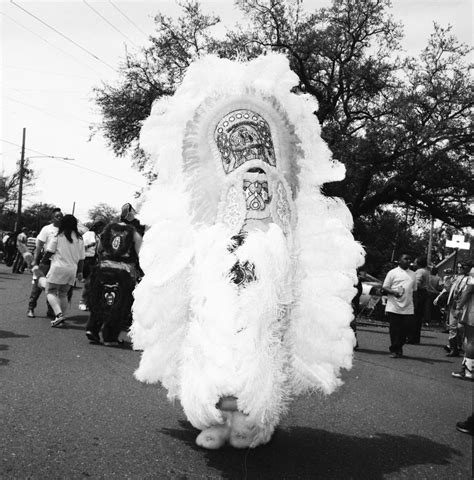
[402, 126]
[103, 210]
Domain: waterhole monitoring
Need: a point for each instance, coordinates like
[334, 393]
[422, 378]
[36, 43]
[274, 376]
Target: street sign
[458, 242]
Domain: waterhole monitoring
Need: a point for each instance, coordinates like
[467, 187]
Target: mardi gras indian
[249, 269]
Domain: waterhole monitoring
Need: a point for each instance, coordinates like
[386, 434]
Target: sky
[50, 65]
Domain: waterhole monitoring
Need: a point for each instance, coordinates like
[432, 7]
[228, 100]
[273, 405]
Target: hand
[80, 277]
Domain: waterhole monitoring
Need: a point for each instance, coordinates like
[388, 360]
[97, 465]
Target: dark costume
[109, 292]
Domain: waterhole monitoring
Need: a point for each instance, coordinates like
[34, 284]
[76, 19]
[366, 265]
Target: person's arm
[387, 287]
[137, 240]
[38, 251]
[50, 249]
[465, 296]
[80, 268]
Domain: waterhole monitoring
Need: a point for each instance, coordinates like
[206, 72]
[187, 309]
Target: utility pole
[430, 243]
[20, 185]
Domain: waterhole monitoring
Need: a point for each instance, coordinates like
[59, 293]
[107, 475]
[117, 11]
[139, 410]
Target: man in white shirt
[399, 285]
[46, 233]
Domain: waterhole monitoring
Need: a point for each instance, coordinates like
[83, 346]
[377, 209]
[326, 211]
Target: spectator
[465, 316]
[454, 335]
[9, 246]
[434, 288]
[31, 242]
[399, 286]
[66, 252]
[46, 233]
[21, 249]
[91, 244]
[422, 308]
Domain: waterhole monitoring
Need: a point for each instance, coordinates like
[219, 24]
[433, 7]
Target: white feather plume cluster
[287, 332]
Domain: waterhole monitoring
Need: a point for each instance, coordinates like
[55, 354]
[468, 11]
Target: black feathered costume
[109, 292]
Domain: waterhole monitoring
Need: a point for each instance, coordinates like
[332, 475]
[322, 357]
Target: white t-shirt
[47, 232]
[65, 259]
[89, 239]
[405, 281]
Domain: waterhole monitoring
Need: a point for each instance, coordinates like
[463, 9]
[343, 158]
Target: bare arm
[38, 251]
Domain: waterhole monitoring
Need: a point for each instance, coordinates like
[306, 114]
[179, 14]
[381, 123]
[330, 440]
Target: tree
[402, 126]
[37, 216]
[10, 183]
[104, 210]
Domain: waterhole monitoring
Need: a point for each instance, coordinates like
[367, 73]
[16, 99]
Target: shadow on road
[6, 334]
[304, 453]
[76, 322]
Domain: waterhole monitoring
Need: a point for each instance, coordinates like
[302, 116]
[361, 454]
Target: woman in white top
[66, 250]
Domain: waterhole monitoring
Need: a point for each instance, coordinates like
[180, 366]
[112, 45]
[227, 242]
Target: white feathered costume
[240, 157]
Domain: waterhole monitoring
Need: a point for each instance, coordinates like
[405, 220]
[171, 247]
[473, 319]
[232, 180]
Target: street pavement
[71, 410]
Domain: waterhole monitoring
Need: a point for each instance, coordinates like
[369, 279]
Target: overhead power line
[48, 73]
[129, 19]
[49, 43]
[73, 164]
[45, 111]
[62, 35]
[109, 23]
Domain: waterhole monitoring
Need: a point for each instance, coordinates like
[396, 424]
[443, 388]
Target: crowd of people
[411, 296]
[65, 252]
[105, 257]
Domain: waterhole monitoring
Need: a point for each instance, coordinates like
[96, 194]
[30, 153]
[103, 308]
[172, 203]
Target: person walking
[21, 249]
[46, 233]
[66, 252]
[422, 308]
[434, 288]
[454, 332]
[399, 286]
[465, 316]
[91, 240]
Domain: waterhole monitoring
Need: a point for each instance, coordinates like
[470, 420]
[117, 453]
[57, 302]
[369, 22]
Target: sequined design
[256, 194]
[283, 207]
[241, 136]
[233, 216]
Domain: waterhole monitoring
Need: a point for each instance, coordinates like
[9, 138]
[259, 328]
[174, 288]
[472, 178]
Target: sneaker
[463, 375]
[82, 306]
[111, 344]
[58, 320]
[395, 355]
[465, 427]
[30, 313]
[93, 337]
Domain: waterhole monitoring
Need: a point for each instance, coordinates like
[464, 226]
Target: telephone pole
[20, 185]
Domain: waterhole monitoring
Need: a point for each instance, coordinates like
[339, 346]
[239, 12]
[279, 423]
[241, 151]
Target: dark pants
[400, 326]
[19, 264]
[421, 305]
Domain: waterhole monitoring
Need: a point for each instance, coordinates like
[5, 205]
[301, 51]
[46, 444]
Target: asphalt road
[71, 410]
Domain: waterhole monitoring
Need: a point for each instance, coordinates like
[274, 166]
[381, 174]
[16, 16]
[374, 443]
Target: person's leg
[52, 294]
[396, 332]
[63, 297]
[415, 332]
[467, 371]
[16, 263]
[453, 333]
